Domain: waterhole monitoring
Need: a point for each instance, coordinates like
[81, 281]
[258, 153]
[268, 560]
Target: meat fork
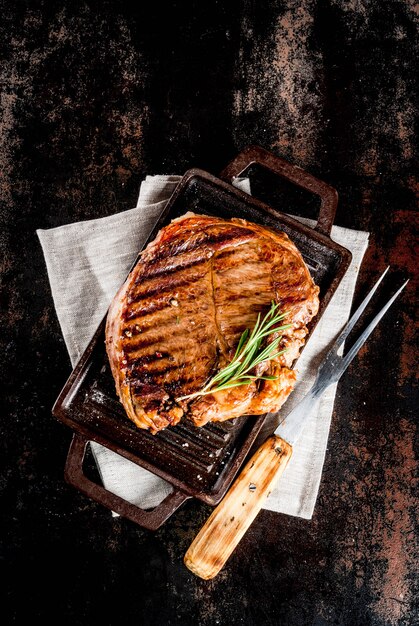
[230, 520]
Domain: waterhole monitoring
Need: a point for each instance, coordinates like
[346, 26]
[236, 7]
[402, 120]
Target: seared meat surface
[179, 316]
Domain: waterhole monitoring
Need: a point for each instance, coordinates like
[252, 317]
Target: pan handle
[258, 155]
[75, 476]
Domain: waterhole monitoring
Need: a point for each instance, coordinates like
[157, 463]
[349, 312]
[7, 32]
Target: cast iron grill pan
[198, 462]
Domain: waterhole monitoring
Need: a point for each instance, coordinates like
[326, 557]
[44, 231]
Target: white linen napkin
[88, 261]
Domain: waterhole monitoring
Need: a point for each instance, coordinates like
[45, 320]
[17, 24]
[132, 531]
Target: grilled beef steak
[179, 316]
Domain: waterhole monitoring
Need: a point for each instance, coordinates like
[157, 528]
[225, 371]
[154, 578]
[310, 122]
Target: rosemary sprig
[250, 352]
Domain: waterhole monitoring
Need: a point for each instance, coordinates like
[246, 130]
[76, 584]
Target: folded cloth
[86, 264]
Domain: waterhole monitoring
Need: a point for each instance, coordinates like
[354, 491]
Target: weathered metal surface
[94, 97]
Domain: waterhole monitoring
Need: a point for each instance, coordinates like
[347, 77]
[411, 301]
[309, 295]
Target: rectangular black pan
[198, 462]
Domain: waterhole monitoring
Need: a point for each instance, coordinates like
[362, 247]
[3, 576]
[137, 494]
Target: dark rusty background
[94, 96]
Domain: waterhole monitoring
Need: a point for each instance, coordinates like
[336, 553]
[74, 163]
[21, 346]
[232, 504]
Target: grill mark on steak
[144, 343]
[157, 291]
[147, 342]
[148, 390]
[151, 272]
[170, 353]
[226, 253]
[234, 235]
[182, 385]
[146, 359]
[158, 372]
[148, 309]
[168, 385]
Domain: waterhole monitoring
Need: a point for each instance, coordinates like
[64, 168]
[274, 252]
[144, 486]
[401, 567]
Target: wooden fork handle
[230, 520]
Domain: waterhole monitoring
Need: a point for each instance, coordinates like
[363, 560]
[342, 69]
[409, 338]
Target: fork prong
[367, 332]
[355, 317]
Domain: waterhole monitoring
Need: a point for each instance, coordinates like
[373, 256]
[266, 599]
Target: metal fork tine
[367, 332]
[355, 317]
[331, 369]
